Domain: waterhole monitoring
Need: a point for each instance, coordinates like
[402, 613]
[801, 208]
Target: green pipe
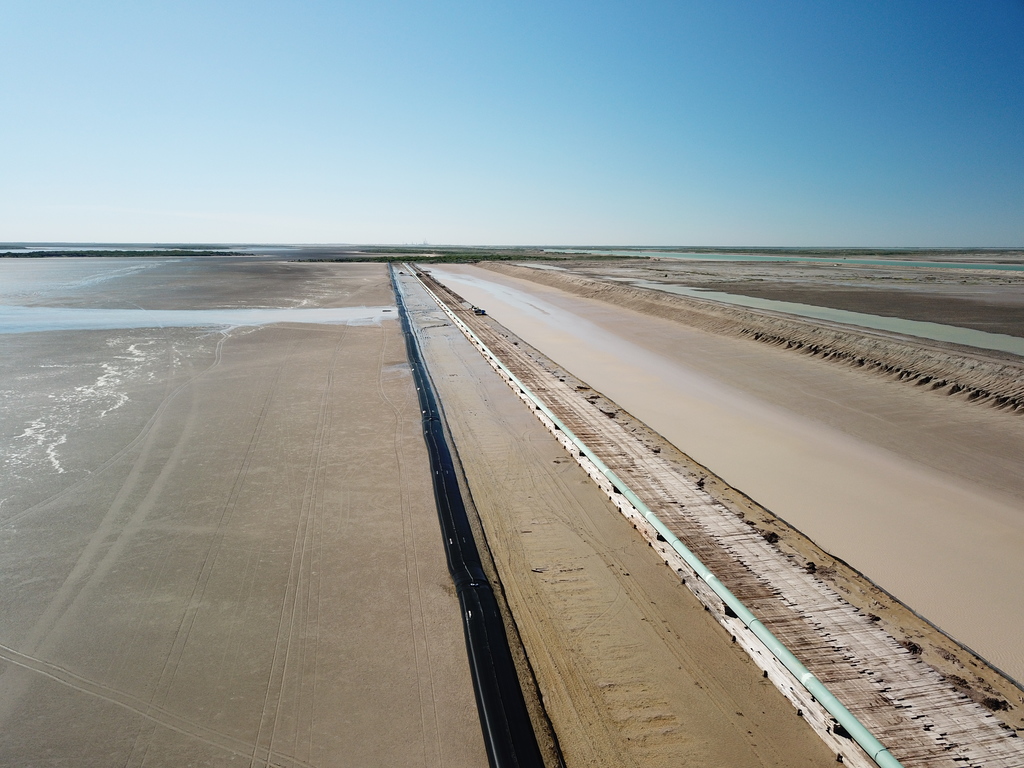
[860, 734]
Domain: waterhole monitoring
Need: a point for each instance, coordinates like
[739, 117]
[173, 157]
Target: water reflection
[17, 319]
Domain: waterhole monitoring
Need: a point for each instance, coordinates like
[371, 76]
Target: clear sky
[846, 123]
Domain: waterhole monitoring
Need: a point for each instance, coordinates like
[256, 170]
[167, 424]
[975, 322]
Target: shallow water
[924, 330]
[34, 279]
[63, 393]
[17, 319]
[33, 290]
[58, 388]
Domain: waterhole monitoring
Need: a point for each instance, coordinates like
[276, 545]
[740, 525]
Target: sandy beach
[919, 492]
[220, 547]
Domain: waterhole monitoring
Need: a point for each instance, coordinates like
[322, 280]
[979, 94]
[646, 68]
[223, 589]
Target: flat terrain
[632, 670]
[221, 547]
[921, 492]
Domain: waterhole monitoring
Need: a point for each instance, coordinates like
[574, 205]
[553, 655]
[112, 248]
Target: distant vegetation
[832, 253]
[450, 255]
[455, 254]
[440, 255]
[70, 253]
[381, 254]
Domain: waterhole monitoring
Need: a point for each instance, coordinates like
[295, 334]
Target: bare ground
[249, 572]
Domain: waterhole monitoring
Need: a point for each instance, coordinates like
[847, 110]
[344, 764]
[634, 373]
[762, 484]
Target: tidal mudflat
[218, 544]
[919, 490]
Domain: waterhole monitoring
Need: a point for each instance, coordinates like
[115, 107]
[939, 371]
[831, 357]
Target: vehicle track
[432, 753]
[155, 715]
[291, 613]
[194, 603]
[126, 450]
[98, 557]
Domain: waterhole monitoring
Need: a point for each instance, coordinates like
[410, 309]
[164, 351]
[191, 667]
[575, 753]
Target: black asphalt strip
[508, 732]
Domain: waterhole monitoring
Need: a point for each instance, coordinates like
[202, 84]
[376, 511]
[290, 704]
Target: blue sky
[712, 123]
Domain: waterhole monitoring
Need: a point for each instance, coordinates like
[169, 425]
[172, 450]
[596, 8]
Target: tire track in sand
[99, 555]
[299, 573]
[173, 660]
[133, 704]
[110, 462]
[429, 721]
[308, 623]
[580, 700]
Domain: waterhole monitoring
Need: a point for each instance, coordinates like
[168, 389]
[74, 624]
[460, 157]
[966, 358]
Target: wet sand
[920, 492]
[238, 561]
[632, 670]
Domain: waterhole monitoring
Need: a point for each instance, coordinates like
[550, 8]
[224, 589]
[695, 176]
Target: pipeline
[508, 733]
[857, 730]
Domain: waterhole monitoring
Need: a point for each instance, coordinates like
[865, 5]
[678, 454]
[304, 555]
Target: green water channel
[935, 331]
[694, 256]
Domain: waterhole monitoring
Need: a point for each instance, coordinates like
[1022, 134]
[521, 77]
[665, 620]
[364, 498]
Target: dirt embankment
[633, 671]
[991, 378]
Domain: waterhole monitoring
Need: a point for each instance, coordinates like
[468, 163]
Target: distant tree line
[114, 254]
